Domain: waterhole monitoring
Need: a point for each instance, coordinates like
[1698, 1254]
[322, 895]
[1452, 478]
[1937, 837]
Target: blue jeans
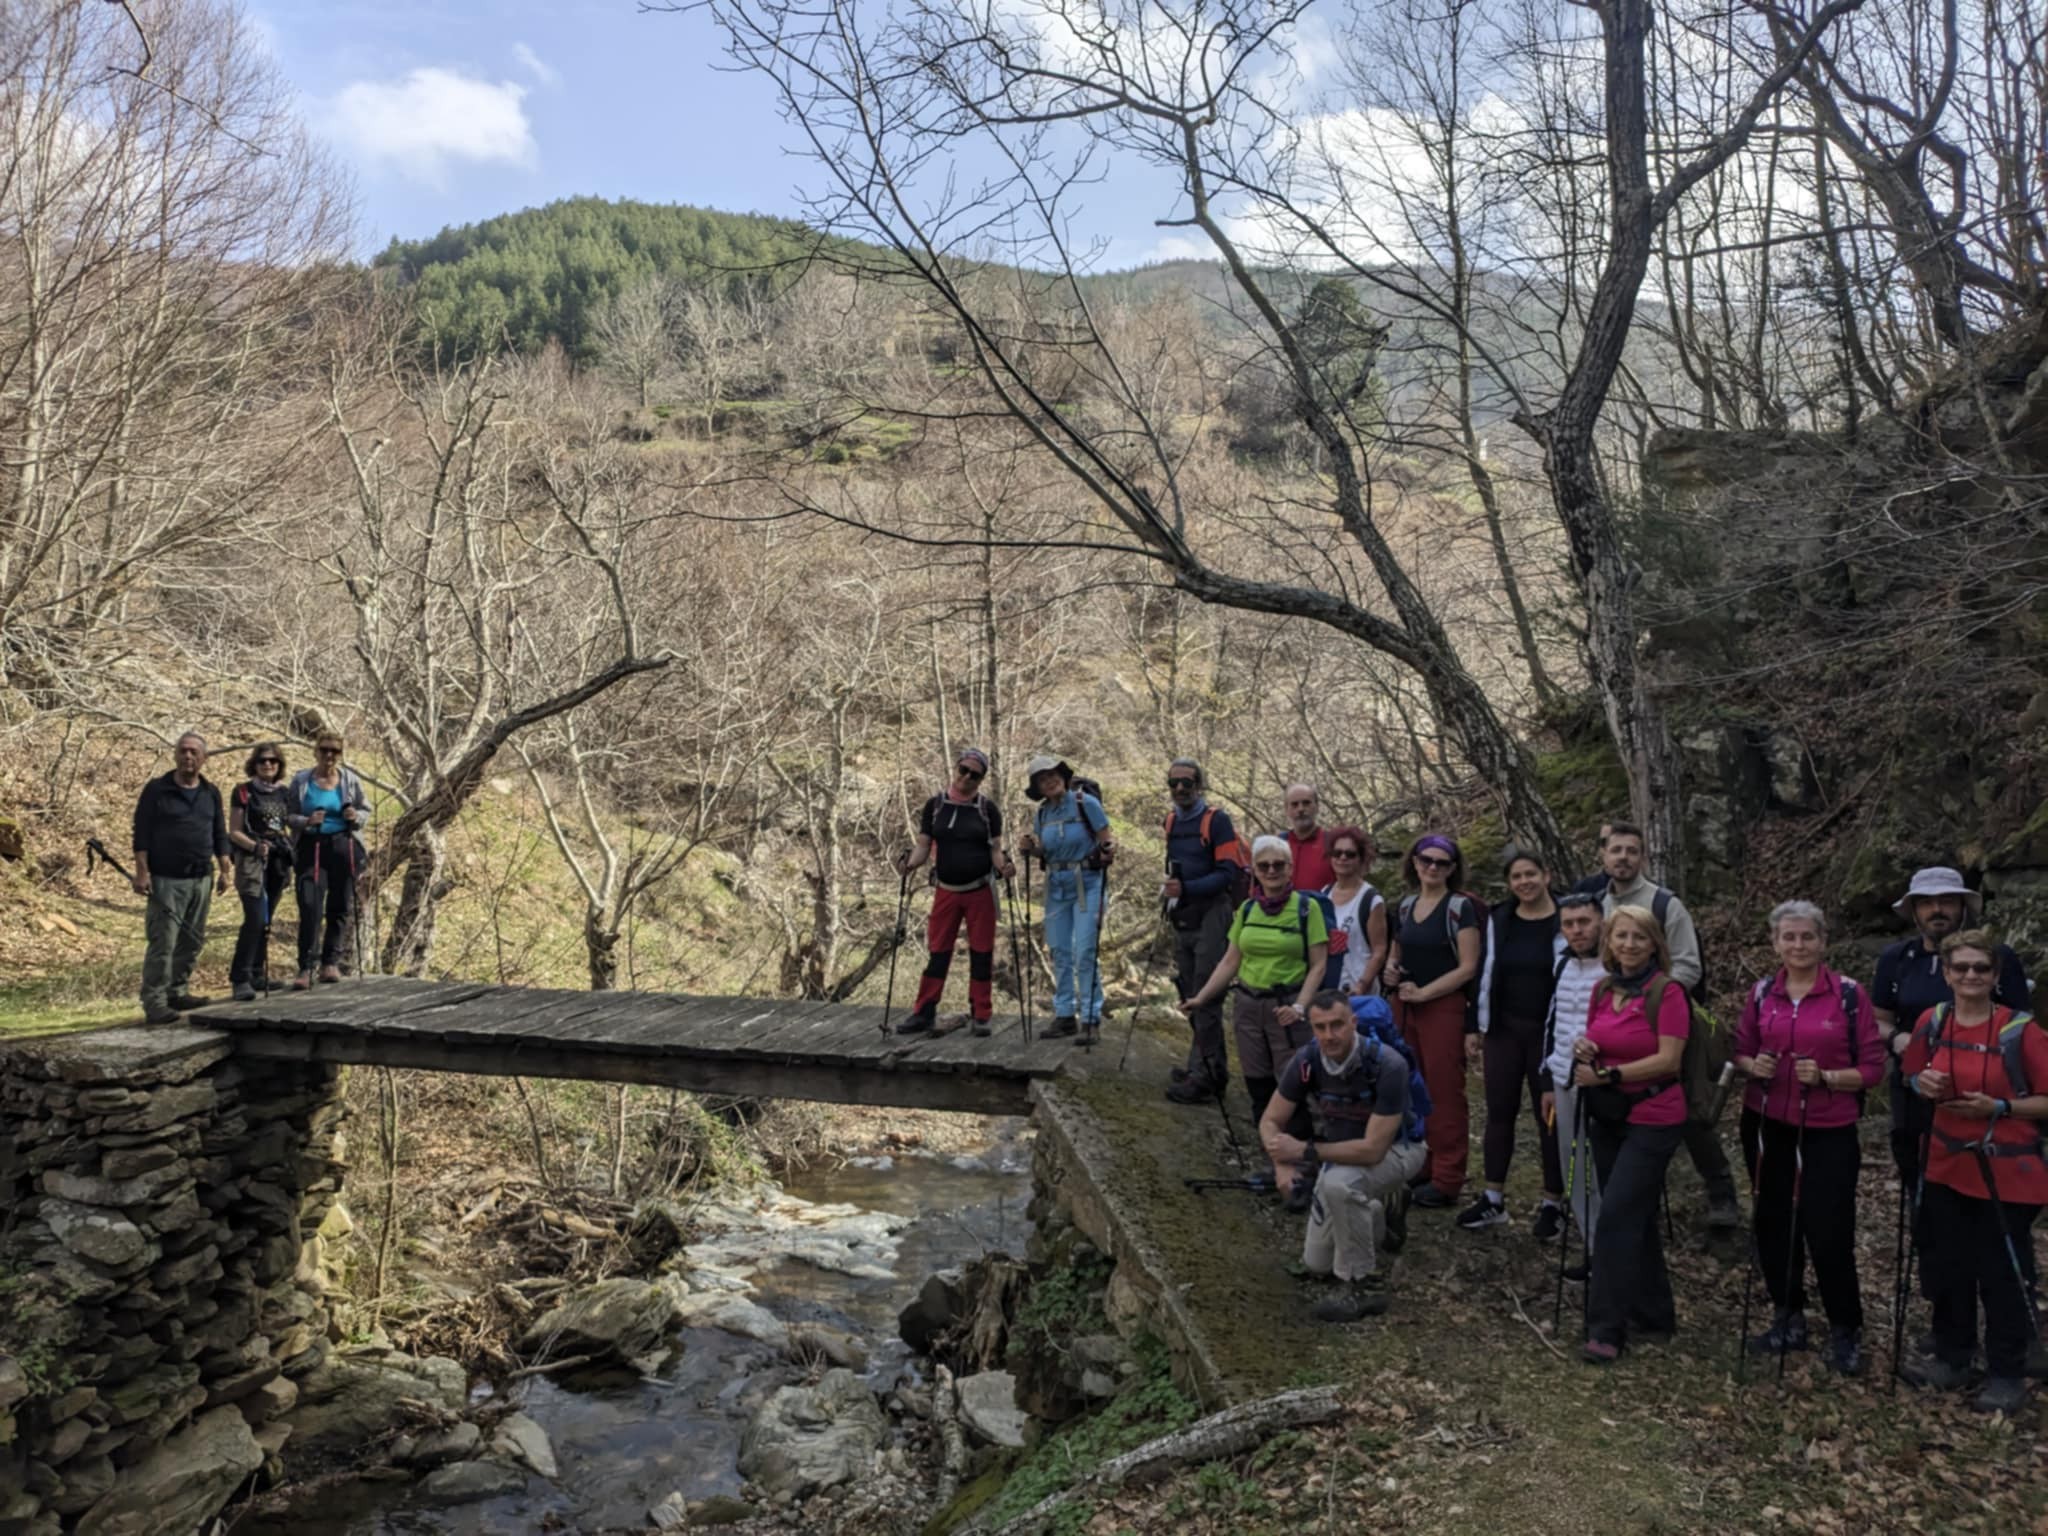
[1073, 919]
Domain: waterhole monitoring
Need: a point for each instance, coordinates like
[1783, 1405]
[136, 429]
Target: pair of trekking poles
[900, 934]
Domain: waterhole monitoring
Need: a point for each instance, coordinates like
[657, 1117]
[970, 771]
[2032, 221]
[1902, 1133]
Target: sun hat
[1045, 762]
[1938, 880]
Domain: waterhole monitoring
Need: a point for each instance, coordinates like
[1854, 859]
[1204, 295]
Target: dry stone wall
[160, 1295]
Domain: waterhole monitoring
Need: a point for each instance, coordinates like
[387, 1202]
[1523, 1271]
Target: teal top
[328, 803]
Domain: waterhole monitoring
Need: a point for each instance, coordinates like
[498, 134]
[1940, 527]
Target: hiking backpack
[1333, 963]
[1706, 1046]
[1241, 883]
[1078, 787]
[1376, 1023]
[1763, 986]
[2011, 1051]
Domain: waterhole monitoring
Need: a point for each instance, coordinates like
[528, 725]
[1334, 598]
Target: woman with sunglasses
[1361, 910]
[1277, 948]
[1983, 1181]
[1435, 953]
[259, 829]
[328, 807]
[965, 830]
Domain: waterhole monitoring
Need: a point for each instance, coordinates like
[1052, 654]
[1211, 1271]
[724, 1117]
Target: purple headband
[976, 753]
[1439, 843]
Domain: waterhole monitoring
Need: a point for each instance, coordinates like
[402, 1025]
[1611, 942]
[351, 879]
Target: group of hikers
[1355, 1024]
[268, 832]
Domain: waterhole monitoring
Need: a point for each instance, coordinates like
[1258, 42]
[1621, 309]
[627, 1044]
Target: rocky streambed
[764, 1376]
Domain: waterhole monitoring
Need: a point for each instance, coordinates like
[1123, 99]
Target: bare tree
[637, 334]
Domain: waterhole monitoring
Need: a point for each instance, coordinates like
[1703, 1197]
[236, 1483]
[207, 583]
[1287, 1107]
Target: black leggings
[251, 964]
[1824, 1165]
[1630, 1291]
[1513, 1056]
[327, 890]
[1967, 1262]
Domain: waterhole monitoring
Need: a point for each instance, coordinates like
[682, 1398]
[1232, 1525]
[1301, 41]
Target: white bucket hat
[1045, 762]
[1938, 881]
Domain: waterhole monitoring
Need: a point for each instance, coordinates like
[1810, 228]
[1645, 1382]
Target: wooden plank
[966, 1093]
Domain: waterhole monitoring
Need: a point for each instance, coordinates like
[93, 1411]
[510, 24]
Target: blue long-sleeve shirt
[1206, 870]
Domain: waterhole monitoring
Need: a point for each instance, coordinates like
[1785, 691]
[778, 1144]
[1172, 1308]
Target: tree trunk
[601, 944]
[411, 943]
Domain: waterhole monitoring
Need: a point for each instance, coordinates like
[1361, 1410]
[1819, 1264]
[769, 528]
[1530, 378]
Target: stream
[624, 1443]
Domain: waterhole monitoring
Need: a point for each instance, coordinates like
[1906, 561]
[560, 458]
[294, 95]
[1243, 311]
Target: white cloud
[537, 66]
[420, 125]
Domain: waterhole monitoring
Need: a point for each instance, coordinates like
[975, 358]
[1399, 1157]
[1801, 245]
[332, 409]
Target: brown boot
[330, 973]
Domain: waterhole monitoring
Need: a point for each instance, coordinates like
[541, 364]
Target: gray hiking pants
[1348, 1216]
[174, 925]
[1196, 951]
[1581, 1182]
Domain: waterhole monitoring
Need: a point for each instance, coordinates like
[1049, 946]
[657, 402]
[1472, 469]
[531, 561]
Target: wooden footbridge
[744, 1046]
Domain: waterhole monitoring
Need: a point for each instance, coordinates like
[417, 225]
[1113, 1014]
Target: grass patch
[89, 996]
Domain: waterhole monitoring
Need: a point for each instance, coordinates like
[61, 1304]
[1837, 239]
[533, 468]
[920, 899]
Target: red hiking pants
[1435, 1032]
[977, 909]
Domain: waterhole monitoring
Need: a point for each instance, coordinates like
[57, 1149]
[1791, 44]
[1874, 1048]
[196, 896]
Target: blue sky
[447, 111]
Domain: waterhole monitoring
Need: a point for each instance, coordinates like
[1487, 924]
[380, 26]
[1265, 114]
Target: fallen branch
[1548, 1342]
[946, 1415]
[1229, 1433]
[567, 1363]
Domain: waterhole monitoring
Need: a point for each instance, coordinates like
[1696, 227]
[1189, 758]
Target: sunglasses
[328, 751]
[969, 773]
[1431, 861]
[269, 762]
[1180, 783]
[1270, 866]
[1344, 853]
[1971, 967]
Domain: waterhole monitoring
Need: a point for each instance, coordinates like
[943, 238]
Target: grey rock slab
[466, 1481]
[87, 1189]
[520, 1439]
[359, 1397]
[806, 1438]
[733, 1314]
[615, 1319]
[988, 1407]
[459, 1442]
[181, 1484]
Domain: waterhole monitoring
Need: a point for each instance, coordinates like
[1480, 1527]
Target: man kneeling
[1360, 1157]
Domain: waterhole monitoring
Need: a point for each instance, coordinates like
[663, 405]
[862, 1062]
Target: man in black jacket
[181, 860]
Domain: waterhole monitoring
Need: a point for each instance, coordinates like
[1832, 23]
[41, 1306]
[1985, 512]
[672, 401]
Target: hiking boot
[1394, 1215]
[184, 1002]
[1353, 1301]
[1483, 1213]
[1191, 1090]
[1091, 1031]
[161, 1015]
[1599, 1352]
[1549, 1223]
[330, 974]
[244, 992]
[302, 982]
[1786, 1334]
[981, 1028]
[1845, 1351]
[1421, 1178]
[1430, 1198]
[1935, 1373]
[1066, 1024]
[1724, 1212]
[922, 1022]
[1578, 1274]
[2001, 1394]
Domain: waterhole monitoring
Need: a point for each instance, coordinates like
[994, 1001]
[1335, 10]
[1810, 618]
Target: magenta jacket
[1816, 1026]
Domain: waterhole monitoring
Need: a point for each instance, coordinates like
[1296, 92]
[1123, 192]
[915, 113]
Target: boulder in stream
[614, 1320]
[358, 1397]
[807, 1438]
[520, 1439]
[464, 1481]
[988, 1407]
[939, 1305]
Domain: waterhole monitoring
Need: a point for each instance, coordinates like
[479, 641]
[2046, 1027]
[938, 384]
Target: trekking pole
[896, 937]
[1131, 1027]
[1017, 953]
[1756, 1253]
[1026, 978]
[1912, 1223]
[1792, 1256]
[1571, 1185]
[96, 853]
[1899, 1285]
[1257, 1184]
[1985, 1157]
[1091, 1000]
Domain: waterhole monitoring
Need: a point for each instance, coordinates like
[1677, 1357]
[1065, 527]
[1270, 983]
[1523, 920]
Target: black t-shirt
[1429, 945]
[962, 836]
[264, 808]
[1341, 1103]
[1524, 965]
[1909, 981]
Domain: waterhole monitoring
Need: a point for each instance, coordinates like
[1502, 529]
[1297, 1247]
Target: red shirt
[1815, 1027]
[1970, 1055]
[1312, 871]
[1621, 1032]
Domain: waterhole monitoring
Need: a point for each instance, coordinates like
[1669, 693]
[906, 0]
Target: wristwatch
[1310, 1153]
[1613, 1077]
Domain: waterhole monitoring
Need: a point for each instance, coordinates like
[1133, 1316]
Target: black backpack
[1407, 906]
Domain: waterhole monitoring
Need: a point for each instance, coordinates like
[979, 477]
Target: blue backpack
[1376, 1023]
